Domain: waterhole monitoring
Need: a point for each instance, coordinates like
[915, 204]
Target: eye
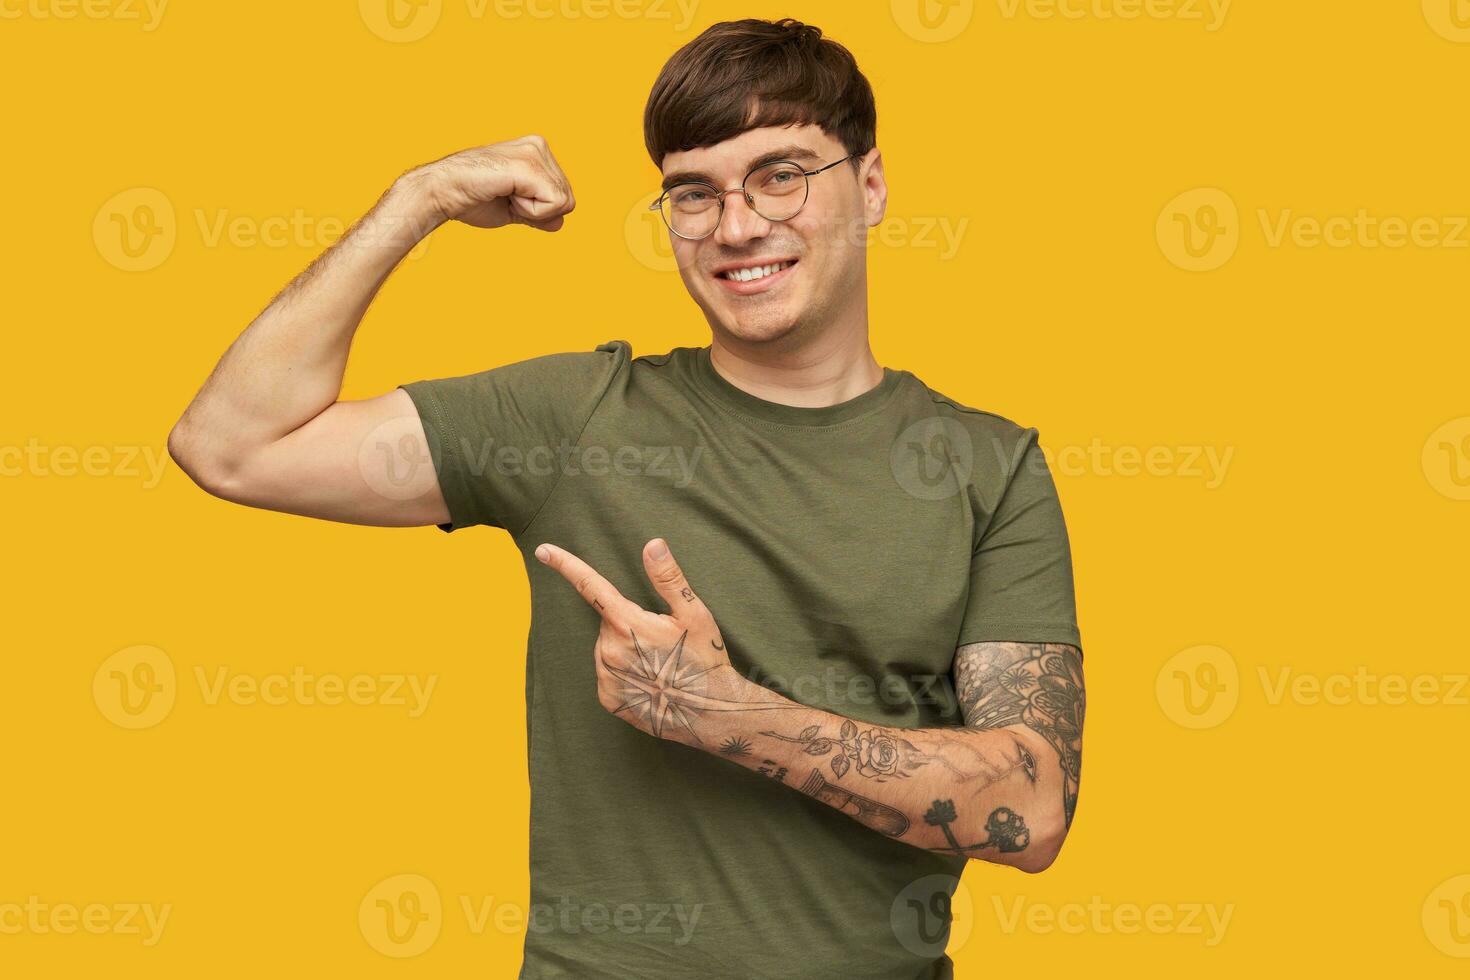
[691, 196]
[782, 179]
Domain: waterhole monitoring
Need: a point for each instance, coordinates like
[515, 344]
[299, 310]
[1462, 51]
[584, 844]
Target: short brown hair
[746, 74]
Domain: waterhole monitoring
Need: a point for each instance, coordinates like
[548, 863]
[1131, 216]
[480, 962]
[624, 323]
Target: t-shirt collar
[744, 402]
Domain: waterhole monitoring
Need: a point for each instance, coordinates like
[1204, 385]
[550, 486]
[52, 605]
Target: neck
[828, 370]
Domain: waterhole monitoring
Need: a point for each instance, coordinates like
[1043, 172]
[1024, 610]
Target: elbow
[1042, 852]
[1045, 834]
[209, 471]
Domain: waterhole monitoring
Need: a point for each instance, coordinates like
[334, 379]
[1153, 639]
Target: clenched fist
[515, 182]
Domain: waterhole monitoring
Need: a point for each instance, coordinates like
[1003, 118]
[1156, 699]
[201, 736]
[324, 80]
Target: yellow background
[1061, 150]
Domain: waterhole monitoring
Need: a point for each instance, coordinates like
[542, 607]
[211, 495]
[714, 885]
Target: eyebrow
[793, 151]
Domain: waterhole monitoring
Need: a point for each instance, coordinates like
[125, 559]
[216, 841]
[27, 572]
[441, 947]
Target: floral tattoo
[873, 753]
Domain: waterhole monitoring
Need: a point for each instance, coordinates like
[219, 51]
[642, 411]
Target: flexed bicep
[358, 462]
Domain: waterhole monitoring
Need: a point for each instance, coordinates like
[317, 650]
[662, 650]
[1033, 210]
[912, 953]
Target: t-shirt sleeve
[497, 438]
[1021, 566]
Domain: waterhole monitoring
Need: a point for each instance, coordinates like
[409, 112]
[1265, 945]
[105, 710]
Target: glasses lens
[692, 210]
[778, 189]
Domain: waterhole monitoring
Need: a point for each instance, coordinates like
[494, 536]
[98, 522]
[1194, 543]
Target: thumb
[668, 579]
[531, 212]
[524, 212]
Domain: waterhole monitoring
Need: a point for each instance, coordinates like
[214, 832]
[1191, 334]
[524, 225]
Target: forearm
[977, 794]
[287, 366]
[1001, 789]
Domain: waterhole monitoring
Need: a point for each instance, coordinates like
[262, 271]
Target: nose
[739, 223]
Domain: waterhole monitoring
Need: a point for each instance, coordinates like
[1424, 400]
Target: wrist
[729, 684]
[410, 207]
[728, 706]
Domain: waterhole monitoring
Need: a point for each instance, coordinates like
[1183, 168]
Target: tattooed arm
[1035, 686]
[1001, 789]
[994, 795]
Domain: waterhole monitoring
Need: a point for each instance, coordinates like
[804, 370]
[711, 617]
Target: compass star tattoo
[666, 695]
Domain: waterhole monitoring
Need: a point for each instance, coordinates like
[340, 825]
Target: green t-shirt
[845, 552]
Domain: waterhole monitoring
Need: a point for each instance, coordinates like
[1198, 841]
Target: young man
[847, 539]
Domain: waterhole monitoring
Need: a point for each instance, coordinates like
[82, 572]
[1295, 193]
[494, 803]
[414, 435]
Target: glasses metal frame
[658, 205]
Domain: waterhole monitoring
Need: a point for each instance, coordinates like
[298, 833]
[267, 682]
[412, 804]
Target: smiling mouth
[752, 280]
[750, 274]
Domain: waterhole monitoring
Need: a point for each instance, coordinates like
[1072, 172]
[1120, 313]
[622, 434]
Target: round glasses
[775, 191]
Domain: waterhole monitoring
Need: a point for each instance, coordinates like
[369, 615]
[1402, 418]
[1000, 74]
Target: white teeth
[756, 272]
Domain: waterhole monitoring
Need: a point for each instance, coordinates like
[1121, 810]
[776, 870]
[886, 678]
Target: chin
[759, 329]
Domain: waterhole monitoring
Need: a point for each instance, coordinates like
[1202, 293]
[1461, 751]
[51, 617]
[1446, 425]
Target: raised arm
[267, 428]
[1001, 789]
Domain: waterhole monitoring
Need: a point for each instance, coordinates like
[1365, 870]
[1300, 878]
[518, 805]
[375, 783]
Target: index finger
[598, 591]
